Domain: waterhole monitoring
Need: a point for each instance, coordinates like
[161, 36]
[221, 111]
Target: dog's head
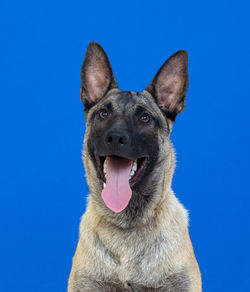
[127, 133]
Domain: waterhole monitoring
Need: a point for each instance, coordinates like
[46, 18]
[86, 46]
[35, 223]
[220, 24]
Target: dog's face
[127, 133]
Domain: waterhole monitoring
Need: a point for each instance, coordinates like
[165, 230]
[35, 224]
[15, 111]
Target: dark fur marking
[143, 139]
[87, 105]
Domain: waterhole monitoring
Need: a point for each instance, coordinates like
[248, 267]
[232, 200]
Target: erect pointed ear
[96, 75]
[170, 84]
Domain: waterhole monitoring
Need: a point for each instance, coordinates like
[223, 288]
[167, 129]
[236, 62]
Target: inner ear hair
[97, 77]
[170, 84]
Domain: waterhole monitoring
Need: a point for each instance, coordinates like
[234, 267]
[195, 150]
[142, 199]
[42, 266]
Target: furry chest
[133, 260]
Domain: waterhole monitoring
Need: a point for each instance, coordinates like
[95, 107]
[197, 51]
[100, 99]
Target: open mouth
[136, 172]
[119, 175]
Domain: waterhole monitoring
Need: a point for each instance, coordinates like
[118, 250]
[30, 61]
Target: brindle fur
[146, 247]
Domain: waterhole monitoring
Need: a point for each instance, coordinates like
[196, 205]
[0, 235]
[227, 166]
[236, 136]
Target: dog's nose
[117, 139]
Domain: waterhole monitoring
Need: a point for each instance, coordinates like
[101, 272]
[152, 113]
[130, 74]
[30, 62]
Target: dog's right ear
[97, 77]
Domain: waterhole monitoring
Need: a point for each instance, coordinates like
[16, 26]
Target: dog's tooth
[132, 172]
[105, 167]
[104, 185]
[134, 166]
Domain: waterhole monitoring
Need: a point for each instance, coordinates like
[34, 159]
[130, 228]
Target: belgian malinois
[134, 234]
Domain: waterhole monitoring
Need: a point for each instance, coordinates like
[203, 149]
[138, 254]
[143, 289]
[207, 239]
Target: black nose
[116, 139]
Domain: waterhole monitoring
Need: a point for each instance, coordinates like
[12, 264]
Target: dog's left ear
[97, 77]
[170, 84]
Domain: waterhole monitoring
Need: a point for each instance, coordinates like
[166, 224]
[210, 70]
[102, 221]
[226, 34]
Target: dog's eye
[103, 114]
[145, 118]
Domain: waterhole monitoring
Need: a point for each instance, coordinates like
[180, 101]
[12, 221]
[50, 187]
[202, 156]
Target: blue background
[42, 183]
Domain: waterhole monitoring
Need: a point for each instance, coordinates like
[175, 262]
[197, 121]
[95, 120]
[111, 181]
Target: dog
[134, 234]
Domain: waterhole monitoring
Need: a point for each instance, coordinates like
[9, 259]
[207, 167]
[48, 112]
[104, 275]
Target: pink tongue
[117, 192]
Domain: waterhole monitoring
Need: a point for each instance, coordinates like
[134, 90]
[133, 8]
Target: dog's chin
[137, 171]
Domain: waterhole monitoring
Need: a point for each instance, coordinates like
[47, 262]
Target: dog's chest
[133, 258]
